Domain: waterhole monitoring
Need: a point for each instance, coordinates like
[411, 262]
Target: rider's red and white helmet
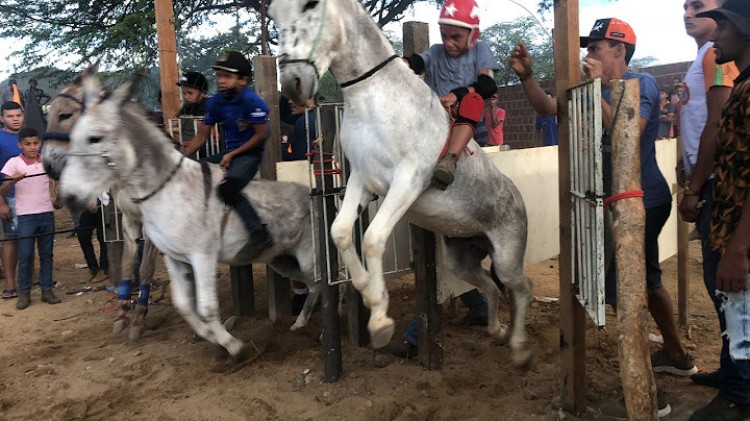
[463, 13]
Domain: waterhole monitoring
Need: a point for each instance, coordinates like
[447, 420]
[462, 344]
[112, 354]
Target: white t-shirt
[703, 74]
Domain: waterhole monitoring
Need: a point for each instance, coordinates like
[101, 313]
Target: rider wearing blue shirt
[244, 118]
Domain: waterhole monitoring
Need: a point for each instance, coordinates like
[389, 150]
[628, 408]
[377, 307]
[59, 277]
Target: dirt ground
[62, 362]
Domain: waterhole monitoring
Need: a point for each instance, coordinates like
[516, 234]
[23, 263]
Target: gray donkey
[181, 212]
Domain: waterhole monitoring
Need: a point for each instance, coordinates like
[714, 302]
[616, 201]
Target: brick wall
[519, 118]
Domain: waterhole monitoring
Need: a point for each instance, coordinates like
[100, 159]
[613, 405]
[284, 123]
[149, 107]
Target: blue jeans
[241, 170]
[734, 320]
[473, 300]
[43, 226]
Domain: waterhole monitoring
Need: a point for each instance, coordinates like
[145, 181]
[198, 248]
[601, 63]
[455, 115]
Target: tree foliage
[122, 32]
[503, 37]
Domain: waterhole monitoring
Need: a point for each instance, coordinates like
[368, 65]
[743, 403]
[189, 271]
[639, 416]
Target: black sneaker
[24, 299]
[443, 175]
[706, 378]
[721, 409]
[402, 348]
[259, 241]
[662, 363]
[49, 297]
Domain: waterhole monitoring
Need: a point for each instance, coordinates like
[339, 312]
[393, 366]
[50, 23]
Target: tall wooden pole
[170, 95]
[628, 229]
[572, 315]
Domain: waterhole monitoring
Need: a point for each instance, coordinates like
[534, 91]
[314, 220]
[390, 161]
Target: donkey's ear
[91, 70]
[92, 89]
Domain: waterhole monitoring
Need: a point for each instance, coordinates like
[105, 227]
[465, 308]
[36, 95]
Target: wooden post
[266, 84]
[683, 279]
[628, 229]
[170, 95]
[325, 204]
[429, 312]
[243, 293]
[572, 315]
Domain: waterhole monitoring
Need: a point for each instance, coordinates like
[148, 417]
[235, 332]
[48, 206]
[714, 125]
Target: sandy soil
[62, 362]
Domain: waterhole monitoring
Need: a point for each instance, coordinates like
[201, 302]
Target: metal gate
[586, 195]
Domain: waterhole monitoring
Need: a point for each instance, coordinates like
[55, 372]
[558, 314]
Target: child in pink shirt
[494, 118]
[36, 219]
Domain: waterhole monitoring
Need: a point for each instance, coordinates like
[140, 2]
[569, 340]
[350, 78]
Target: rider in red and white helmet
[464, 14]
[460, 71]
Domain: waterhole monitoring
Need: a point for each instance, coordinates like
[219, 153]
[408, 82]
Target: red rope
[336, 170]
[624, 195]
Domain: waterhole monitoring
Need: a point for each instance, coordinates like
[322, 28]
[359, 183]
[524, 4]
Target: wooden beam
[429, 311]
[572, 315]
[326, 207]
[628, 229]
[170, 94]
[266, 84]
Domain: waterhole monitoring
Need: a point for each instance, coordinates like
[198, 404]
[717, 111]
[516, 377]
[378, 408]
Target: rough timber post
[429, 311]
[326, 210]
[628, 229]
[572, 315]
[165, 39]
[266, 84]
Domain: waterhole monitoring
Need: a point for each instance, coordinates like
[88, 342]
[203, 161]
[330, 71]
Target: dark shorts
[655, 219]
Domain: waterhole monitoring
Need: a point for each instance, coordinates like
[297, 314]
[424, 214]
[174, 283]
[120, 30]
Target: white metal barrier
[586, 197]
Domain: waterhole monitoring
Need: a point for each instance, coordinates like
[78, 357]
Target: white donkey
[65, 110]
[113, 143]
[393, 131]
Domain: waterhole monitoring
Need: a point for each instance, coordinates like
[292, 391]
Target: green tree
[503, 37]
[122, 34]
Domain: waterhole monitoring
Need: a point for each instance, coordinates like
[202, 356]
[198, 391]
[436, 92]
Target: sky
[657, 24]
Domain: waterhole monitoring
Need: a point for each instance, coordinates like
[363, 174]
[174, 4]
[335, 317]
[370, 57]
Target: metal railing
[586, 195]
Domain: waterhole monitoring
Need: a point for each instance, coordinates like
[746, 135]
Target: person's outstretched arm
[520, 62]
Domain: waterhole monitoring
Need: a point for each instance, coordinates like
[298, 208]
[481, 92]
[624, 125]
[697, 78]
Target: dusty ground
[62, 363]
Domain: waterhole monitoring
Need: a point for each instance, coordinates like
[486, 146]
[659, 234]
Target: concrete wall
[535, 172]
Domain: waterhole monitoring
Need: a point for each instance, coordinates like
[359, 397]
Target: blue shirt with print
[237, 116]
[655, 188]
[444, 73]
[8, 149]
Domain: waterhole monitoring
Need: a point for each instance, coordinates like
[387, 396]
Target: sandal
[9, 293]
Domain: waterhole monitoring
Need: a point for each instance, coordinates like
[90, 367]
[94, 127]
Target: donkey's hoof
[242, 355]
[297, 325]
[522, 359]
[501, 333]
[381, 335]
[135, 332]
[120, 325]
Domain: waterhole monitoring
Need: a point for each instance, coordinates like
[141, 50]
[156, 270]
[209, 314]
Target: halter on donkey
[181, 211]
[65, 110]
[392, 132]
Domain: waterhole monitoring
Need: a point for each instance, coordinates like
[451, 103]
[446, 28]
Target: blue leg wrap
[145, 290]
[123, 292]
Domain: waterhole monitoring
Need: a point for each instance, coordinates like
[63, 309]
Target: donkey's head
[100, 155]
[65, 109]
[310, 33]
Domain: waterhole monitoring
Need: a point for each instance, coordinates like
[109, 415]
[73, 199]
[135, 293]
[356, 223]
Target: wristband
[526, 76]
